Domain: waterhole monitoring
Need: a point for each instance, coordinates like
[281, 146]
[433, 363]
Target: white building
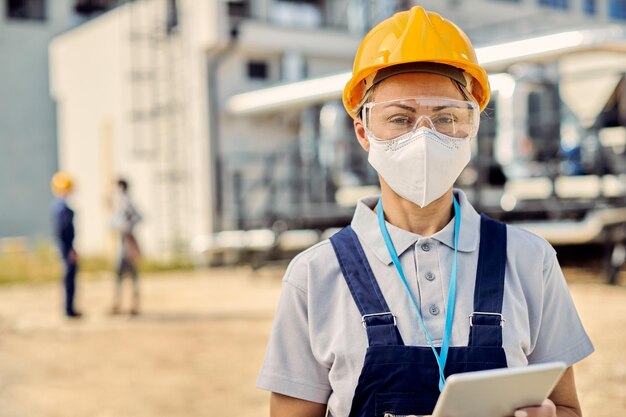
[146, 92]
[133, 100]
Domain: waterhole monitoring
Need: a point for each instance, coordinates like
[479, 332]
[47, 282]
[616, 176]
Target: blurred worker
[63, 226]
[124, 221]
[419, 285]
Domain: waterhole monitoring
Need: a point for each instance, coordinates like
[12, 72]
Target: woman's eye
[446, 118]
[399, 120]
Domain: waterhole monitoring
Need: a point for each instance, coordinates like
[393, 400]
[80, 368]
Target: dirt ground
[197, 347]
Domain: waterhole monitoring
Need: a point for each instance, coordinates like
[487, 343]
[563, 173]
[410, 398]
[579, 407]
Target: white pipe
[492, 58]
[585, 231]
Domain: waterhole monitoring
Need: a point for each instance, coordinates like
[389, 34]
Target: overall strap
[377, 319]
[486, 321]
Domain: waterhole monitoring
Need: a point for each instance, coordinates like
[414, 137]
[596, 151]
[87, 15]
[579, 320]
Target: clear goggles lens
[391, 119]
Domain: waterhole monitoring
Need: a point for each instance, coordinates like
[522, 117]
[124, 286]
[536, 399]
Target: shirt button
[429, 276]
[425, 247]
[434, 310]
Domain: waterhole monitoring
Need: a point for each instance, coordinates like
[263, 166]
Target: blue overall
[403, 380]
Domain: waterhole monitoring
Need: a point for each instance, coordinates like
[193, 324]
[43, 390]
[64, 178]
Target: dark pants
[69, 283]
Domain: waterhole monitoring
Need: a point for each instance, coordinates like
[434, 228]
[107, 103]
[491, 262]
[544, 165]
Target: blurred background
[226, 120]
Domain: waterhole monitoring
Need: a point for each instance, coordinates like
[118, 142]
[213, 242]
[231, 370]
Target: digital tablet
[497, 392]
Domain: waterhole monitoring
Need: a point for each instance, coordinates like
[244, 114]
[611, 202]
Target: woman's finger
[546, 409]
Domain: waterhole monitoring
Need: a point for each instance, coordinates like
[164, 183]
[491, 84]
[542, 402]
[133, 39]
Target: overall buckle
[387, 313]
[471, 316]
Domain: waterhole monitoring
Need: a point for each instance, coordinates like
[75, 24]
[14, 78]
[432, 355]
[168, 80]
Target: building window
[617, 9]
[257, 70]
[298, 13]
[238, 8]
[26, 9]
[87, 7]
[589, 7]
[557, 4]
[171, 20]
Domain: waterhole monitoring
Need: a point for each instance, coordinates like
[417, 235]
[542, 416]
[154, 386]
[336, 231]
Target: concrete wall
[28, 155]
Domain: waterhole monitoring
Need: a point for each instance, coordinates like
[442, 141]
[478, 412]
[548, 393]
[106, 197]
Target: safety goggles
[389, 120]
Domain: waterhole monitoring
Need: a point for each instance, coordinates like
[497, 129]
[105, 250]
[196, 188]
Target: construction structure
[225, 115]
[551, 152]
[140, 93]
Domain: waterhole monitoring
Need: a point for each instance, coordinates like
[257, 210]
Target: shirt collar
[365, 225]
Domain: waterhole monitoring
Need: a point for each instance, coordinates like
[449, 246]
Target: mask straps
[441, 357]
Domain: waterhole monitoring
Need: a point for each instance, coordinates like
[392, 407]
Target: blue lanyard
[445, 344]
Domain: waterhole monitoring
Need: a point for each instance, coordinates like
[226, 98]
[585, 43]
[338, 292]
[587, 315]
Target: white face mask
[421, 165]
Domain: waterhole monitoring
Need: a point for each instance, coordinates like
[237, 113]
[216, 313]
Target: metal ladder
[157, 118]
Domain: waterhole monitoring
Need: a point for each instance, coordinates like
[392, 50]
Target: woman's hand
[562, 402]
[73, 256]
[546, 409]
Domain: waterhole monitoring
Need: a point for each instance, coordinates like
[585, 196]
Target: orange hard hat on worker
[409, 37]
[62, 184]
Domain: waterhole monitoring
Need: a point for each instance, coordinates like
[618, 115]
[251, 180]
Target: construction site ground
[196, 348]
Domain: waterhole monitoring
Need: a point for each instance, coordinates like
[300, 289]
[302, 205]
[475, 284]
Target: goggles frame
[430, 100]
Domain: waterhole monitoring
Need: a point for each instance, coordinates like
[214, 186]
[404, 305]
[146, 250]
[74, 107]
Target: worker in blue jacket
[63, 228]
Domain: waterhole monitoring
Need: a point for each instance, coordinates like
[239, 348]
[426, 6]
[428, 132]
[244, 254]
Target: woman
[125, 220]
[360, 315]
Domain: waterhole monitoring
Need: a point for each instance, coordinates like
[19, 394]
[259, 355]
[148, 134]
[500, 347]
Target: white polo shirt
[317, 347]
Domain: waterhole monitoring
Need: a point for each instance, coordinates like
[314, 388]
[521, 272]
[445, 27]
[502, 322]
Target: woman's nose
[424, 121]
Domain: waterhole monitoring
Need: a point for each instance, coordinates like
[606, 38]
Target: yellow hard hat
[61, 183]
[414, 36]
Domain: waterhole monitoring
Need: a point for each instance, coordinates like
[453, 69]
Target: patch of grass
[19, 264]
[39, 265]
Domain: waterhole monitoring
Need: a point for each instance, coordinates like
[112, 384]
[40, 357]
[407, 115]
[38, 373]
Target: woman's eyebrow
[402, 106]
[413, 109]
[438, 108]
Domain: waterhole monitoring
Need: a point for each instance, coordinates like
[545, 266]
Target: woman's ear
[359, 129]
